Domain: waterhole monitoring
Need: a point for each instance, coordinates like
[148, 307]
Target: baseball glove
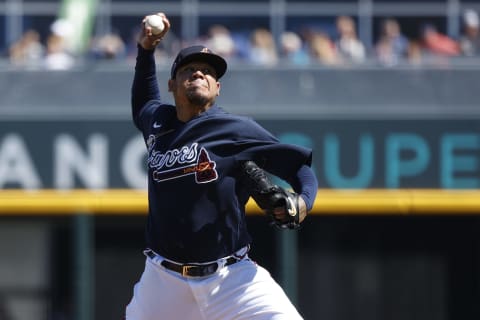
[269, 197]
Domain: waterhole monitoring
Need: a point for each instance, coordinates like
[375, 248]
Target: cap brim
[217, 62]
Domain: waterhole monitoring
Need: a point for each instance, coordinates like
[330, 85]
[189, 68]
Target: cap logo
[205, 50]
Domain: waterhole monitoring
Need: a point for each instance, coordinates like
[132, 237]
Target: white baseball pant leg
[241, 291]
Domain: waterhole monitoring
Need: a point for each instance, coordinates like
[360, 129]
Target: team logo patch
[196, 163]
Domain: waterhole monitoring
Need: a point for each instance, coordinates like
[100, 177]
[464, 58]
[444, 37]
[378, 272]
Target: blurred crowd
[259, 46]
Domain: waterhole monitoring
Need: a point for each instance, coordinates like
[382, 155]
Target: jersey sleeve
[289, 162]
[145, 86]
[144, 117]
[268, 152]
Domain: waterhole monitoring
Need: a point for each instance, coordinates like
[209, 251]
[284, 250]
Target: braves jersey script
[200, 160]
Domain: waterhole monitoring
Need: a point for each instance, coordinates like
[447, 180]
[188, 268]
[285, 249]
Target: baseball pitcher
[203, 165]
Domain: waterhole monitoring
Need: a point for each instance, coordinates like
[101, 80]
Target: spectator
[470, 39]
[57, 57]
[414, 53]
[108, 47]
[263, 50]
[59, 53]
[292, 49]
[348, 46]
[323, 50]
[62, 28]
[437, 44]
[28, 51]
[392, 45]
[220, 41]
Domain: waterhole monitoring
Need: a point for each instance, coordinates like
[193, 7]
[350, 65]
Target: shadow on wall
[4, 311]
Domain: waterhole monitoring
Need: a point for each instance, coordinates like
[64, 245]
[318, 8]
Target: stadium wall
[394, 233]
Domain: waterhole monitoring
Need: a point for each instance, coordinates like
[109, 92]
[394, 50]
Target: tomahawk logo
[203, 169]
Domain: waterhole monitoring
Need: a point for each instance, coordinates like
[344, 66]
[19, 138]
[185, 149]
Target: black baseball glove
[271, 198]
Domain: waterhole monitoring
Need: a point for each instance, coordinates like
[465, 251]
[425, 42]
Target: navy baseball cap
[201, 54]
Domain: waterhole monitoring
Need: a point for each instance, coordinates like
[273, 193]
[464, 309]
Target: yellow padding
[399, 201]
[116, 201]
[328, 202]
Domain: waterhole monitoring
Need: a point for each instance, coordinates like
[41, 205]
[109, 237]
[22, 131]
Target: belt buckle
[186, 268]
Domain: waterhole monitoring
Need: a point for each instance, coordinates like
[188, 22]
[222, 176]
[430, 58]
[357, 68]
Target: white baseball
[156, 23]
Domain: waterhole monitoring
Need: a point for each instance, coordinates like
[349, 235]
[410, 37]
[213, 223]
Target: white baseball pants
[241, 291]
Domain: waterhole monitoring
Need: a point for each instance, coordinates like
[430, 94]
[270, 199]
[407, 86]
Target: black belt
[194, 269]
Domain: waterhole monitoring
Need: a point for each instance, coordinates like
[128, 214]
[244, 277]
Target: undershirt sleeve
[305, 183]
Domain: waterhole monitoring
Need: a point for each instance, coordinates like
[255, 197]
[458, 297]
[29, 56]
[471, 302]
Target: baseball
[156, 23]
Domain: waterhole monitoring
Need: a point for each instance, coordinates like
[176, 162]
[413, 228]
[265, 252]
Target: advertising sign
[356, 154]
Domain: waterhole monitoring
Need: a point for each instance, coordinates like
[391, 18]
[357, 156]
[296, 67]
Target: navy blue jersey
[196, 203]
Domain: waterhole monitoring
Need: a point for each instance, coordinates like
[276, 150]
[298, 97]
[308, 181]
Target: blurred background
[385, 92]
